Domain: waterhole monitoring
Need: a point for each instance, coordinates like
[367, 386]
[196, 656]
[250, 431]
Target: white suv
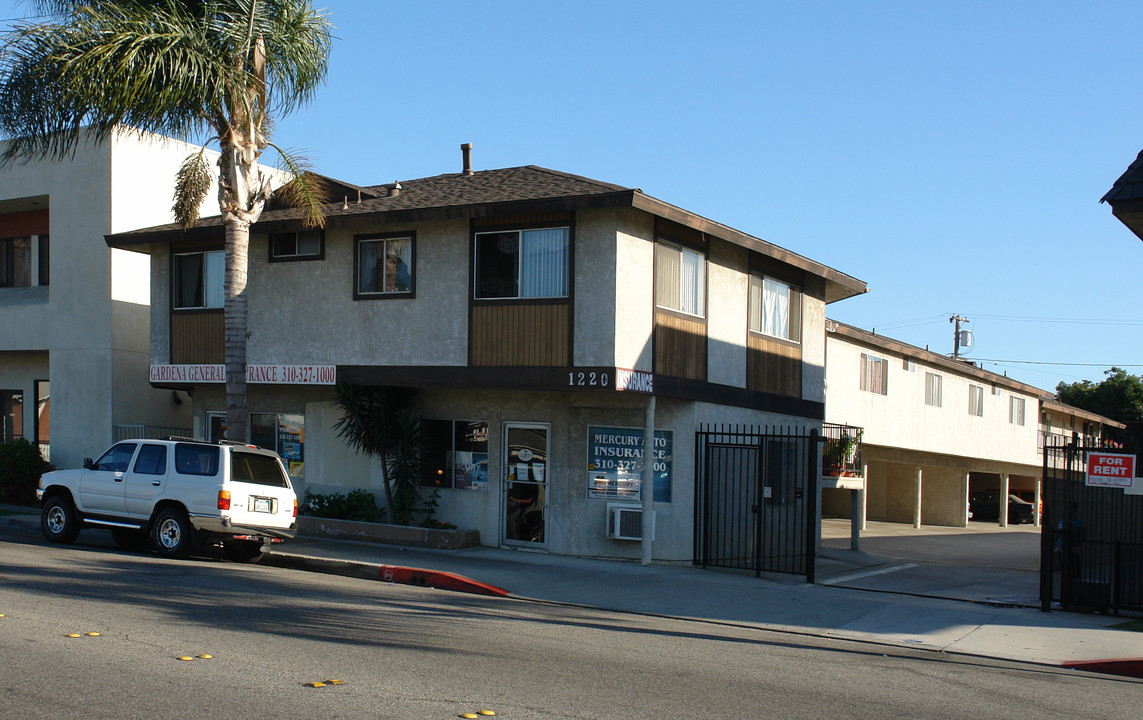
[176, 492]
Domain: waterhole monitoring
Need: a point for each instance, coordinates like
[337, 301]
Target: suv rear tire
[171, 533]
[58, 520]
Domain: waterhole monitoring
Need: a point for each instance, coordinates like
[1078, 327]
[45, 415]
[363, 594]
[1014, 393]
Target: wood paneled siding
[535, 334]
[197, 337]
[773, 365]
[680, 345]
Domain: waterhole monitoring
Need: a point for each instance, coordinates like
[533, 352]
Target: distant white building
[936, 431]
[74, 314]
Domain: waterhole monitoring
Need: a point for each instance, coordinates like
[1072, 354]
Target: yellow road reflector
[316, 684]
[204, 656]
[74, 635]
[334, 682]
[1, 614]
[186, 658]
[485, 712]
[468, 715]
[93, 634]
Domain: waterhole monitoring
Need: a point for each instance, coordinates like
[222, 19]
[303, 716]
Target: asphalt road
[406, 652]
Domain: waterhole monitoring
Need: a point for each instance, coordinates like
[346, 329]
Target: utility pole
[957, 319]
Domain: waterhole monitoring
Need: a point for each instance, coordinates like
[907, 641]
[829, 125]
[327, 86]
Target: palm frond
[192, 183]
[306, 190]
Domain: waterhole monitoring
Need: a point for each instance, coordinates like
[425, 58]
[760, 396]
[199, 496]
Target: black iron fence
[756, 493]
[1091, 546]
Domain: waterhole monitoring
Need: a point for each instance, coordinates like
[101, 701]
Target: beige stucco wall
[728, 284]
[97, 348]
[901, 419]
[634, 290]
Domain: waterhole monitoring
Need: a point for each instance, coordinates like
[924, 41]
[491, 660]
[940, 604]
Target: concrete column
[864, 496]
[647, 481]
[917, 505]
[965, 497]
[1037, 500]
[1003, 499]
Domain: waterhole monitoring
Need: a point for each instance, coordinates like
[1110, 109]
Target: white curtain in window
[544, 263]
[667, 277]
[775, 308]
[692, 283]
[215, 272]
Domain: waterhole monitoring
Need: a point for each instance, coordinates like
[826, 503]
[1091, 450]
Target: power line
[1047, 362]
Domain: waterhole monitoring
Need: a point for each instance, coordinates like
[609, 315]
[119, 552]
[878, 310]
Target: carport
[918, 488]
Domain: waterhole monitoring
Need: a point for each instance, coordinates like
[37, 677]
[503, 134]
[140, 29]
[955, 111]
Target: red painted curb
[438, 579]
[1131, 667]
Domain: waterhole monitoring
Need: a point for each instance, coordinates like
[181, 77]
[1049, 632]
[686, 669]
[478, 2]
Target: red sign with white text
[1110, 470]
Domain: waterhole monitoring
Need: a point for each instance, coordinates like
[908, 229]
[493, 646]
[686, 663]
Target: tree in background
[1118, 396]
[188, 69]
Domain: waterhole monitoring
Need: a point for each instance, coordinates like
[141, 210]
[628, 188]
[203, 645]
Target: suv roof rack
[181, 438]
[237, 443]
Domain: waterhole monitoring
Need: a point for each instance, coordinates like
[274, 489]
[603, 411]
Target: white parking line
[867, 573]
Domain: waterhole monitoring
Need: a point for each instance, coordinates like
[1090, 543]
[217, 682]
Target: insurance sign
[1110, 470]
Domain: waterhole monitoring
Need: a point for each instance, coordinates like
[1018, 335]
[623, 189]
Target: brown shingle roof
[523, 189]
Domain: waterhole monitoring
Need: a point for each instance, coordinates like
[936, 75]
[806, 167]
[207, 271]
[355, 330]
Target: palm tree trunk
[241, 196]
[237, 252]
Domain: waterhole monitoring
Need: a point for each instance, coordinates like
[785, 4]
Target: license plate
[263, 505]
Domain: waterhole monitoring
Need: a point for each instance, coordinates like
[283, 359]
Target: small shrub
[358, 505]
[20, 470]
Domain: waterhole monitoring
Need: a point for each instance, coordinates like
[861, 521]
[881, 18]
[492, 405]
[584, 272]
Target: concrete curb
[400, 574]
[1132, 667]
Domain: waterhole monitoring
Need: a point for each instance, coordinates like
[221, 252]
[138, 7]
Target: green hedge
[358, 505]
[20, 470]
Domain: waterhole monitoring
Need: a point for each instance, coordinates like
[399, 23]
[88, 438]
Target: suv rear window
[196, 459]
[256, 469]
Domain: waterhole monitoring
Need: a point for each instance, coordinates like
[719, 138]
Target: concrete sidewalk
[778, 603]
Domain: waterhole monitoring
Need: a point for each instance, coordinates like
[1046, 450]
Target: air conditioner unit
[625, 522]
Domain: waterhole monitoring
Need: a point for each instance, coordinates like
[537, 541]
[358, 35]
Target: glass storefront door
[525, 483]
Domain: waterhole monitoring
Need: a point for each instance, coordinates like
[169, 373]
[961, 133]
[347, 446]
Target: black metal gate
[756, 494]
[1091, 546]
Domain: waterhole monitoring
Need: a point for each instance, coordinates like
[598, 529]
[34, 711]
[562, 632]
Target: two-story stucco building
[538, 313]
[936, 431]
[74, 315]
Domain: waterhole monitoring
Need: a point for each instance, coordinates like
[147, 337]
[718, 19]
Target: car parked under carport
[986, 506]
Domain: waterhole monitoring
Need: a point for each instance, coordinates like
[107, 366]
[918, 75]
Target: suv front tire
[58, 520]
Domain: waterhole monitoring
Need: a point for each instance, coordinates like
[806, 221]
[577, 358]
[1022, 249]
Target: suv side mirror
[88, 464]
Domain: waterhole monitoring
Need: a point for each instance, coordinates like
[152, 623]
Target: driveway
[982, 563]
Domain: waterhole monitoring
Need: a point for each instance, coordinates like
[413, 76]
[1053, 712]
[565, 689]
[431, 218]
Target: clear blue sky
[950, 155]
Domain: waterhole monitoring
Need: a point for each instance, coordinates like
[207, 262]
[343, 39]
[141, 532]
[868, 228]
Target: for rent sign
[1110, 470]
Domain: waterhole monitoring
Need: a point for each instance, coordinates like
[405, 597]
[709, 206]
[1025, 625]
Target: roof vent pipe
[466, 154]
[396, 189]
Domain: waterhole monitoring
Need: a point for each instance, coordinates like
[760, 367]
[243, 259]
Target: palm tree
[187, 69]
[383, 422]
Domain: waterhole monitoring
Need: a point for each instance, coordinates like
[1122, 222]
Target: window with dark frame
[454, 454]
[197, 280]
[521, 264]
[384, 265]
[11, 415]
[775, 308]
[680, 279]
[16, 262]
[300, 245]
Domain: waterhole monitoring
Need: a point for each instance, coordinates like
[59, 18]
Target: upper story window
[301, 245]
[680, 279]
[197, 280]
[933, 389]
[908, 365]
[517, 264]
[775, 308]
[384, 265]
[976, 400]
[874, 374]
[16, 262]
[1015, 410]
